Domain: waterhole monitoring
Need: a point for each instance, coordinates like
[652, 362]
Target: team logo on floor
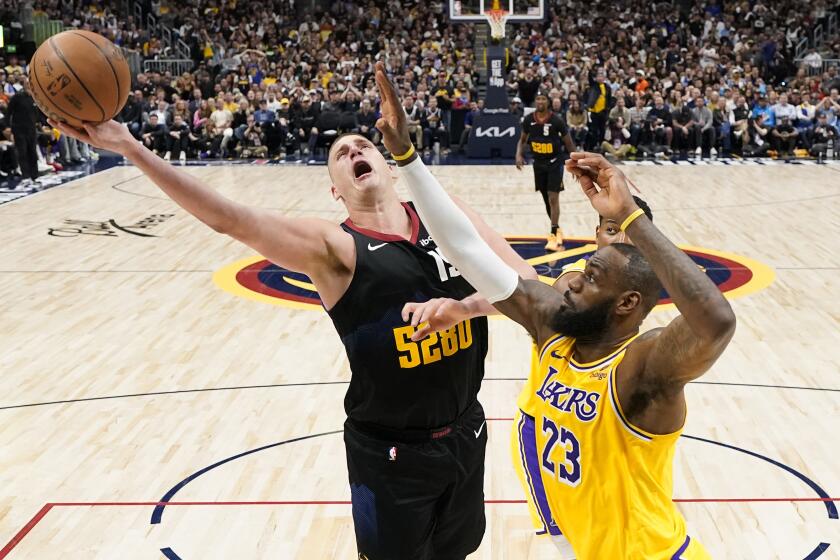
[257, 279]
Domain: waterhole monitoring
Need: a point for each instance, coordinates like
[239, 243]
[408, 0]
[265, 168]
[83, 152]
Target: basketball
[79, 76]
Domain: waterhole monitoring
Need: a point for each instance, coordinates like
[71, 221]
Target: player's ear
[628, 302]
[334, 192]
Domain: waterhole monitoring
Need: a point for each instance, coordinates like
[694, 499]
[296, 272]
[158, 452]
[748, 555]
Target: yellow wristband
[405, 156]
[631, 218]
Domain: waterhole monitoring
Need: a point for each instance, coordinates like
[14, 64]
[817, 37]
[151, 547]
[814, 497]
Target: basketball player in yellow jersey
[609, 402]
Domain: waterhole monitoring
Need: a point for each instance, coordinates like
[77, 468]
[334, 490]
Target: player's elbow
[721, 321]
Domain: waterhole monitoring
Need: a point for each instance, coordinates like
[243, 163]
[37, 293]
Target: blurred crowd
[630, 78]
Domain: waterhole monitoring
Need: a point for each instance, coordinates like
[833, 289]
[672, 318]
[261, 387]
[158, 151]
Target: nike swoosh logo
[375, 247]
[478, 433]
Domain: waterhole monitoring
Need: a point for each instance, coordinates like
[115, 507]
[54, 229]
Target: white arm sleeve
[455, 234]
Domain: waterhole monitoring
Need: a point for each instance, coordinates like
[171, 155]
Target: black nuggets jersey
[545, 138]
[398, 384]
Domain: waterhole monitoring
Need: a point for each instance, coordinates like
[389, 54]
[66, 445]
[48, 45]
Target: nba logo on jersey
[392, 454]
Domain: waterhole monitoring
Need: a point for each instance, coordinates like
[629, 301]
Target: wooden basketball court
[130, 377]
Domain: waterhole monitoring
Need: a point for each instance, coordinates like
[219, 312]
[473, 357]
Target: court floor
[160, 398]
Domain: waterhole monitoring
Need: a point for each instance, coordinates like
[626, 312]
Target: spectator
[723, 119]
[577, 120]
[414, 112]
[162, 113]
[759, 136]
[253, 141]
[263, 116]
[662, 121]
[682, 122]
[704, 129]
[784, 136]
[305, 118]
[132, 114]
[516, 108]
[617, 139]
[180, 139]
[637, 118]
[762, 108]
[620, 110]
[598, 101]
[469, 121]
[435, 133]
[527, 87]
[366, 119]
[23, 122]
[153, 135]
[823, 135]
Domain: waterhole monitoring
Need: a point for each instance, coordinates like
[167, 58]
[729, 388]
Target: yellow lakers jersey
[589, 474]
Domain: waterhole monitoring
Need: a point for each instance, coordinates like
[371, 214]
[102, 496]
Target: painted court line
[39, 516]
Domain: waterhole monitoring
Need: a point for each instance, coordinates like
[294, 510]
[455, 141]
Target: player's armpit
[533, 305]
[657, 366]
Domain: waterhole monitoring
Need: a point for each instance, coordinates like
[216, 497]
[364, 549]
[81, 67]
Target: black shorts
[548, 174]
[418, 501]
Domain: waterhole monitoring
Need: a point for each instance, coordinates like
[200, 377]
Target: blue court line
[813, 555]
[158, 511]
[829, 505]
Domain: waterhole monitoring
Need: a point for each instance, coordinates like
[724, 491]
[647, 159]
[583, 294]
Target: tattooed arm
[658, 364]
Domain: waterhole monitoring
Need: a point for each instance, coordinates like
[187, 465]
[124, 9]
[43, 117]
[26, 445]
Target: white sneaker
[42, 167]
[713, 153]
[168, 156]
[183, 158]
[698, 153]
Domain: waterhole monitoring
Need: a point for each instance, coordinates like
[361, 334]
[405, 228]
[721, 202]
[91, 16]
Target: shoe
[57, 166]
[183, 158]
[698, 153]
[713, 154]
[42, 167]
[551, 243]
[23, 184]
[167, 156]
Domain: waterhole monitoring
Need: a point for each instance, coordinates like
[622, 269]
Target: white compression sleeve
[455, 234]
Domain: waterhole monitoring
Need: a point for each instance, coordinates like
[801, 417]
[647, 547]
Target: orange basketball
[79, 76]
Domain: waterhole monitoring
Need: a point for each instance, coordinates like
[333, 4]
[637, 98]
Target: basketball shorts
[418, 500]
[548, 174]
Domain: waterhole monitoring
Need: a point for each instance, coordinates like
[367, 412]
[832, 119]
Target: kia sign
[495, 132]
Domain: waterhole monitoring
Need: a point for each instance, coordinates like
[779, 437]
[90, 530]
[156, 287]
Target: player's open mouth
[361, 169]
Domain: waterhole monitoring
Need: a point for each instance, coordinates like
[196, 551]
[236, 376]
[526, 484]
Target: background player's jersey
[591, 475]
[396, 383]
[545, 139]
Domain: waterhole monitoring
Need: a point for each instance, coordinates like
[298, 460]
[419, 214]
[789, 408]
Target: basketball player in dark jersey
[546, 134]
[415, 434]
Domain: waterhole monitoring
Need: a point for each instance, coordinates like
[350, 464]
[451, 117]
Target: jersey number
[542, 147]
[569, 470]
[434, 347]
[445, 270]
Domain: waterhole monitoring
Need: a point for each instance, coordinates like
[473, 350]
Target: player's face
[356, 167]
[542, 103]
[609, 232]
[590, 297]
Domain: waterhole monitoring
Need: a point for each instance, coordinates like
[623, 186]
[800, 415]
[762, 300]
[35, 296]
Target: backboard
[518, 10]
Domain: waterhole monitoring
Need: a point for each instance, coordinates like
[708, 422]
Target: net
[497, 19]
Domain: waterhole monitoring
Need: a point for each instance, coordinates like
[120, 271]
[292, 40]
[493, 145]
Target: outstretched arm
[301, 244]
[451, 228]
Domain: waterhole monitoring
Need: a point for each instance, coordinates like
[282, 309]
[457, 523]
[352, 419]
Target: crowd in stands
[630, 78]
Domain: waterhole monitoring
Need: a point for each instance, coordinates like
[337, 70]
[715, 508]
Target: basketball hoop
[497, 20]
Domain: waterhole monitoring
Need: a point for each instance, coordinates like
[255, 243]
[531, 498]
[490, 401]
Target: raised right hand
[109, 135]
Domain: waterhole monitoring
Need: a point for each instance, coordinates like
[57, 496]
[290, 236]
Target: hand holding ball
[79, 76]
